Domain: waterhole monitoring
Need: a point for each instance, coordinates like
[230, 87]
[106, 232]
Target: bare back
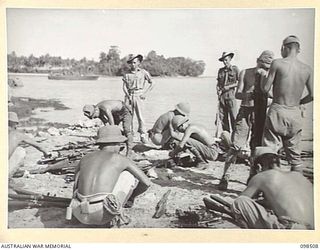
[291, 77]
[99, 172]
[200, 133]
[112, 105]
[289, 194]
[246, 85]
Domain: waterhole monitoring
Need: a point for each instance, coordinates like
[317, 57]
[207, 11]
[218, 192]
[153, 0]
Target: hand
[262, 72]
[143, 97]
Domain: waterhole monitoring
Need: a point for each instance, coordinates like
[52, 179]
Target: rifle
[14, 204]
[161, 207]
[63, 166]
[71, 157]
[218, 204]
[30, 199]
[217, 120]
[73, 146]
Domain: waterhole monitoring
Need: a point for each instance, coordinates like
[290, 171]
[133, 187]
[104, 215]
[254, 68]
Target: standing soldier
[228, 77]
[136, 85]
[288, 77]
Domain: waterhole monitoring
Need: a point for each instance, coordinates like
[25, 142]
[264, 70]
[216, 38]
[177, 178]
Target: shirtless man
[17, 138]
[105, 180]
[160, 133]
[245, 117]
[288, 77]
[113, 112]
[288, 194]
[196, 138]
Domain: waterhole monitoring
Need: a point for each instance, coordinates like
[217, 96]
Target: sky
[200, 34]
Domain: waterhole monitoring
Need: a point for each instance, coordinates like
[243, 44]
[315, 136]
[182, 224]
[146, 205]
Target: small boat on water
[72, 77]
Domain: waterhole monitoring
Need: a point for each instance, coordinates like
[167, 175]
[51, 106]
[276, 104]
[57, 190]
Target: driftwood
[161, 207]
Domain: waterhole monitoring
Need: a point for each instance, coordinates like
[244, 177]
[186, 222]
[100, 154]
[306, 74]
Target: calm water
[199, 92]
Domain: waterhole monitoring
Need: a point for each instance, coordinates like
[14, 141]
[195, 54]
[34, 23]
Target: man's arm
[252, 188]
[308, 98]
[34, 144]
[189, 131]
[267, 82]
[175, 135]
[124, 87]
[137, 173]
[150, 87]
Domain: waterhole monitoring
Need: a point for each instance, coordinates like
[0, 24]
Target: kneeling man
[160, 132]
[105, 180]
[288, 196]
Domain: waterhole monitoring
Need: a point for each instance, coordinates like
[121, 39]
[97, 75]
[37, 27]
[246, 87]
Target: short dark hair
[271, 159]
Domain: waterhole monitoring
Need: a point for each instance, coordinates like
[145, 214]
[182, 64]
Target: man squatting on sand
[197, 140]
[288, 77]
[136, 85]
[16, 139]
[105, 181]
[160, 133]
[288, 196]
[113, 112]
[228, 78]
[245, 118]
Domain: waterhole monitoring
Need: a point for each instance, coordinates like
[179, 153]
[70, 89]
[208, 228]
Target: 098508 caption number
[308, 245]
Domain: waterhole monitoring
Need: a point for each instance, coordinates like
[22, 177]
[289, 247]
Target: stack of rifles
[64, 163]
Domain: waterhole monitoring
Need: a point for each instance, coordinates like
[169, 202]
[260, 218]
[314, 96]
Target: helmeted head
[290, 43]
[91, 111]
[134, 61]
[183, 108]
[110, 135]
[265, 158]
[13, 119]
[180, 123]
[265, 59]
[226, 58]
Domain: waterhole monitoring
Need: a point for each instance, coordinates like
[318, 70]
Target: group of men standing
[281, 126]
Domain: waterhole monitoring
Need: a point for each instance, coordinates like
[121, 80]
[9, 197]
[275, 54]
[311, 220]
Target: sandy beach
[48, 120]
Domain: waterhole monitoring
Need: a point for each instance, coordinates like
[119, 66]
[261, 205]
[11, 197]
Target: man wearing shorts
[104, 182]
[287, 197]
[245, 118]
[288, 77]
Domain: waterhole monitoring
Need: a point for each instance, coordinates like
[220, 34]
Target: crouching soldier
[105, 181]
[197, 140]
[113, 112]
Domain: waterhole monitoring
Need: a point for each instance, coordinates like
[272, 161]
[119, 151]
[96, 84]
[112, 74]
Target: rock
[43, 134]
[53, 131]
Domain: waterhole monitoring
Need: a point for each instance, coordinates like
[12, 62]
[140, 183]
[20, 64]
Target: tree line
[109, 64]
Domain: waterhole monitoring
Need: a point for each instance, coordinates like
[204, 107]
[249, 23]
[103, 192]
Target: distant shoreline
[103, 76]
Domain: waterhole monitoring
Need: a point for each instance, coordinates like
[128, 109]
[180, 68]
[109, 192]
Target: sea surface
[167, 92]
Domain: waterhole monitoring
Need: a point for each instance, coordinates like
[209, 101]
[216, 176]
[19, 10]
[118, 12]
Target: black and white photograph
[160, 118]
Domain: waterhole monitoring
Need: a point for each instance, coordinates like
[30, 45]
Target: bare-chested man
[160, 132]
[105, 180]
[288, 194]
[113, 112]
[17, 138]
[288, 77]
[245, 117]
[197, 139]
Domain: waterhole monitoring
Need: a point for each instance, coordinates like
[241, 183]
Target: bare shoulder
[305, 67]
